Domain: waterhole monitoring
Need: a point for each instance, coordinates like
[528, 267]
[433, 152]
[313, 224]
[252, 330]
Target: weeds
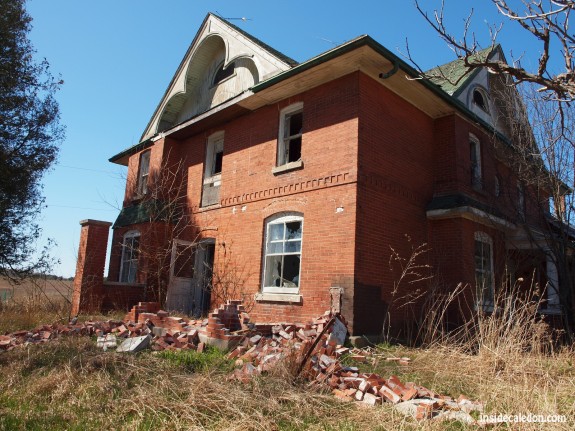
[210, 360]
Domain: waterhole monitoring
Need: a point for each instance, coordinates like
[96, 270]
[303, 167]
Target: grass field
[34, 302]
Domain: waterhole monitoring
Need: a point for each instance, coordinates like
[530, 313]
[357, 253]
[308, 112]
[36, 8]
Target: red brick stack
[142, 307]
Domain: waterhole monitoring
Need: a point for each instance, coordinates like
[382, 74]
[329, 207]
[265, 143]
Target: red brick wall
[87, 294]
[351, 221]
[396, 182]
[323, 191]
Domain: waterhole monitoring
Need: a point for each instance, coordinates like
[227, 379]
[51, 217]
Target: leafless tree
[547, 21]
[171, 217]
[535, 107]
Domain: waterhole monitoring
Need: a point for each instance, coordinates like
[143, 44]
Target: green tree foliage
[29, 135]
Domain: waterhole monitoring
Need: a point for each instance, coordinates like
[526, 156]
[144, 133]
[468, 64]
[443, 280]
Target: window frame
[484, 95]
[481, 300]
[210, 176]
[277, 219]
[130, 276]
[143, 173]
[475, 169]
[282, 153]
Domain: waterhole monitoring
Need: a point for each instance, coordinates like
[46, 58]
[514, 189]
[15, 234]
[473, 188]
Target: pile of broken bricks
[316, 357]
[313, 349]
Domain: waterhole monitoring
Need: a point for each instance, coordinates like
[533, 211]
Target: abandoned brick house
[289, 185]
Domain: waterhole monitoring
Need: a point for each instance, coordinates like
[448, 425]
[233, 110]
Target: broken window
[290, 134]
[475, 161]
[480, 99]
[223, 74]
[282, 257]
[130, 252]
[484, 279]
[213, 169]
[143, 171]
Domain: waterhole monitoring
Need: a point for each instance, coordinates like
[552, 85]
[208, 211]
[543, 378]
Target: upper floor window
[213, 169]
[282, 254]
[143, 171]
[290, 134]
[484, 277]
[481, 99]
[496, 186]
[475, 161]
[130, 252]
[223, 74]
[521, 201]
[214, 157]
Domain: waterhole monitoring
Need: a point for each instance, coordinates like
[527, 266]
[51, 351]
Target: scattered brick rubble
[322, 367]
[311, 348]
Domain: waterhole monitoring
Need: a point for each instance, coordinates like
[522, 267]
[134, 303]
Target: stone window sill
[279, 297]
[288, 167]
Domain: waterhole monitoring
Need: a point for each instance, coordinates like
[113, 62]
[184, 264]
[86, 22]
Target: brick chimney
[89, 279]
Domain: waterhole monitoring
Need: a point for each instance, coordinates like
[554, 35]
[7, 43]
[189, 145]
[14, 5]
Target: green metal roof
[453, 76]
[461, 200]
[142, 212]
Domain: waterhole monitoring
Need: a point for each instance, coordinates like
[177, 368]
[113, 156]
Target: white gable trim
[236, 47]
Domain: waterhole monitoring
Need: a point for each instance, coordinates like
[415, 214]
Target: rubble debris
[134, 344]
[317, 355]
[107, 341]
[311, 348]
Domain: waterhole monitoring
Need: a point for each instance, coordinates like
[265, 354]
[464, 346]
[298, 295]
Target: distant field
[36, 288]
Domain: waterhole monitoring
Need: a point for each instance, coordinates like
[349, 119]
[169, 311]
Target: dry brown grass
[69, 384]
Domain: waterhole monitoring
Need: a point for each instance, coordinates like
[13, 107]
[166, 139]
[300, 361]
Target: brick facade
[378, 175]
[87, 293]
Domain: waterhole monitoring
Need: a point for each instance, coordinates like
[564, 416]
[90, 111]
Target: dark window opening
[218, 163]
[293, 134]
[479, 99]
[223, 74]
[294, 150]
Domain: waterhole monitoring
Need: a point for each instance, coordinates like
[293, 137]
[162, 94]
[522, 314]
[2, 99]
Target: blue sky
[117, 57]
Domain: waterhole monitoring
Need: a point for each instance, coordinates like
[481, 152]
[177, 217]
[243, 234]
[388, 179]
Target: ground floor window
[282, 254]
[484, 279]
[130, 252]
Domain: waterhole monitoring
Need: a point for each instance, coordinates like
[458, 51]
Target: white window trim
[281, 147]
[265, 290]
[215, 140]
[477, 173]
[142, 184]
[486, 239]
[128, 235]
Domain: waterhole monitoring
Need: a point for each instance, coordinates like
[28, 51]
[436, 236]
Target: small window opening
[480, 99]
[293, 133]
[218, 157]
[223, 74]
[143, 173]
[475, 160]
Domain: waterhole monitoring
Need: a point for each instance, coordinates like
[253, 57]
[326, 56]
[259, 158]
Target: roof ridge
[453, 75]
[280, 55]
